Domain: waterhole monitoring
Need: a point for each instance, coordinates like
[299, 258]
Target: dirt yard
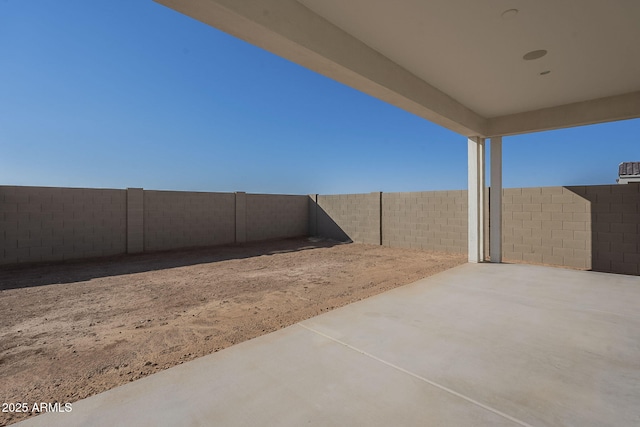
[76, 329]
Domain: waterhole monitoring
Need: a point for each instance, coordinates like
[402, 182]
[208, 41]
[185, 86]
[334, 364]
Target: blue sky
[120, 94]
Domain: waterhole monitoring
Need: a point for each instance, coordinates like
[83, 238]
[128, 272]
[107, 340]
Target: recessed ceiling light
[534, 54]
[544, 73]
[509, 14]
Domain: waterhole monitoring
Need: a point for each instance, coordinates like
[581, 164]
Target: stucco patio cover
[458, 63]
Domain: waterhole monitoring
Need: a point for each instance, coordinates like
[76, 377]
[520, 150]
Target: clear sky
[128, 93]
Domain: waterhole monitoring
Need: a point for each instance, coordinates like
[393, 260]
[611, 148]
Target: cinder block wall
[591, 227]
[595, 227]
[53, 224]
[179, 219]
[353, 217]
[615, 226]
[433, 220]
[548, 225]
[276, 216]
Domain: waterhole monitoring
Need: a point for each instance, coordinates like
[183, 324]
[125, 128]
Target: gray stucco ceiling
[467, 49]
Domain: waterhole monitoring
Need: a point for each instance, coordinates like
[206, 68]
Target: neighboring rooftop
[629, 168]
[628, 172]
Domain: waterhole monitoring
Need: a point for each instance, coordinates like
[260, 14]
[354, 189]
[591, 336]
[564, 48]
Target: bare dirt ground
[76, 329]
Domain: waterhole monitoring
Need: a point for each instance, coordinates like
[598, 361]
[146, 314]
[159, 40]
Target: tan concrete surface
[546, 346]
[481, 344]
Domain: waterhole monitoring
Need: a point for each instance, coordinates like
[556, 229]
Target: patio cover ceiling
[458, 63]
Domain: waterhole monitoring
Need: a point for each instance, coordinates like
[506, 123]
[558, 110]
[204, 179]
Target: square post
[241, 217]
[476, 166]
[135, 220]
[495, 202]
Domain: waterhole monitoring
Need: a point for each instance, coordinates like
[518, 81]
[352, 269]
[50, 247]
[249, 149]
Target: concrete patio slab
[481, 344]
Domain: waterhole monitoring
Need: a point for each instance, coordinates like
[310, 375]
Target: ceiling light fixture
[534, 54]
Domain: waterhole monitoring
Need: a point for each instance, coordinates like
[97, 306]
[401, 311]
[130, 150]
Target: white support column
[495, 204]
[476, 198]
[482, 167]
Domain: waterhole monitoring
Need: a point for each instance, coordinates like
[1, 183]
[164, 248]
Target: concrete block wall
[180, 219]
[276, 216]
[313, 214]
[353, 217]
[550, 225]
[615, 226]
[135, 220]
[591, 227]
[433, 220]
[241, 217]
[587, 227]
[53, 224]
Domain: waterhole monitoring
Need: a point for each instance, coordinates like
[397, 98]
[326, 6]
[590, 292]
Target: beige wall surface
[615, 226]
[593, 227]
[135, 220]
[550, 225]
[54, 224]
[276, 216]
[179, 219]
[354, 217]
[434, 220]
[590, 227]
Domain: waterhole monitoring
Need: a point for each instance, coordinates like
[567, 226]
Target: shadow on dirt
[33, 275]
